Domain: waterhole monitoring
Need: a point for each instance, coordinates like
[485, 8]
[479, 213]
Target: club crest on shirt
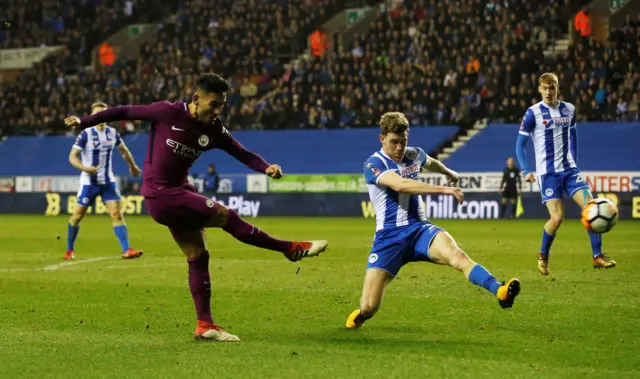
[564, 111]
[411, 154]
[210, 203]
[203, 140]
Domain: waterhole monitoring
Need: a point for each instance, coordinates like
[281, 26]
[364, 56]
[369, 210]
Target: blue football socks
[596, 243]
[481, 277]
[72, 233]
[123, 236]
[547, 240]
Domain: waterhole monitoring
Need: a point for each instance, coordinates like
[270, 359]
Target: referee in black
[510, 187]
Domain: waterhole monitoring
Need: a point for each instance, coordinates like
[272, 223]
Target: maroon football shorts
[182, 209]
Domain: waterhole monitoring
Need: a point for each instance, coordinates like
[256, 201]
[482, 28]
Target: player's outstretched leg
[121, 231]
[444, 250]
[375, 283]
[231, 223]
[600, 260]
[194, 248]
[73, 228]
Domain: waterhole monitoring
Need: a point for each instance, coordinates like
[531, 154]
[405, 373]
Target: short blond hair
[549, 78]
[98, 104]
[393, 122]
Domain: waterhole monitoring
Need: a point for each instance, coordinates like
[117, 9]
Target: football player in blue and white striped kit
[551, 124]
[403, 233]
[91, 154]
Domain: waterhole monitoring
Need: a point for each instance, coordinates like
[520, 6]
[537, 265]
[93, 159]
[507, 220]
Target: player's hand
[274, 171]
[530, 178]
[72, 122]
[135, 171]
[91, 170]
[453, 177]
[457, 192]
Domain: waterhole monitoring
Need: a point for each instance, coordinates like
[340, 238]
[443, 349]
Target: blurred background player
[403, 233]
[181, 132]
[92, 154]
[211, 179]
[552, 124]
[510, 187]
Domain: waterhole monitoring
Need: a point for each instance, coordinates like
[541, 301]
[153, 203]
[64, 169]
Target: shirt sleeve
[118, 139]
[374, 168]
[424, 158]
[234, 148]
[152, 112]
[81, 141]
[528, 123]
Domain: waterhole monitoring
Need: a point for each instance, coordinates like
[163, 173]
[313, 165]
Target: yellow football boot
[355, 319]
[507, 293]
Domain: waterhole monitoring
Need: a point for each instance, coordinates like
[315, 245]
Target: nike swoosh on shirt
[174, 128]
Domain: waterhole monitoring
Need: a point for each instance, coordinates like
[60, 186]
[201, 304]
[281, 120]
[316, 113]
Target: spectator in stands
[438, 63]
[241, 40]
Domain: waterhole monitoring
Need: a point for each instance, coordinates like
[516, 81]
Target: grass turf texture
[100, 316]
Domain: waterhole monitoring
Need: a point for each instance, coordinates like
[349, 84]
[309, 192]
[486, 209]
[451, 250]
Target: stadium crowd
[440, 62]
[239, 39]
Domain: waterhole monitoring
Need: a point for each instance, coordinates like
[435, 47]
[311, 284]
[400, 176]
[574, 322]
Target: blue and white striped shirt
[97, 149]
[394, 209]
[549, 127]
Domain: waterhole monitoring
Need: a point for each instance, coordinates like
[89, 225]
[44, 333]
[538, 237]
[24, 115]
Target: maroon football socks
[252, 235]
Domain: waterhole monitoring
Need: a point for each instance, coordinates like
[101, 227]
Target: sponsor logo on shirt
[183, 150]
[411, 170]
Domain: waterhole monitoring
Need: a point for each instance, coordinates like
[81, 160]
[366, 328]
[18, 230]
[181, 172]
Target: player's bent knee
[116, 215]
[220, 219]
[557, 220]
[458, 259]
[193, 252]
[77, 215]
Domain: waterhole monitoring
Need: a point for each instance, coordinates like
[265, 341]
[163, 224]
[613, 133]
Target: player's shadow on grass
[398, 338]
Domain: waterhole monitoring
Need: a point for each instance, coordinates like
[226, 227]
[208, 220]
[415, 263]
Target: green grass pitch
[102, 317]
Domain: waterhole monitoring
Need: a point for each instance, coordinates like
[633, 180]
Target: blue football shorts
[88, 192]
[553, 185]
[394, 247]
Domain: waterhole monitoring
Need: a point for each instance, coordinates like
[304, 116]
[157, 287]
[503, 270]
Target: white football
[600, 215]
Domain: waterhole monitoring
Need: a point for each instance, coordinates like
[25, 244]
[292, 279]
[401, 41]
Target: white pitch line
[73, 263]
[55, 266]
[125, 265]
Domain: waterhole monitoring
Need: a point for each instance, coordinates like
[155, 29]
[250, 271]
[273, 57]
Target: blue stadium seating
[601, 147]
[298, 151]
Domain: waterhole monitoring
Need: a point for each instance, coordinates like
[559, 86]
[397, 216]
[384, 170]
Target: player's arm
[74, 154]
[434, 165]
[573, 138]
[134, 170]
[397, 183]
[152, 112]
[376, 173]
[250, 159]
[527, 126]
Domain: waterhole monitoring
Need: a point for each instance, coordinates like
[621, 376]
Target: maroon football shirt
[176, 140]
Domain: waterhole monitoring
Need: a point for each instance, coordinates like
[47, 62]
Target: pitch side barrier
[477, 205]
